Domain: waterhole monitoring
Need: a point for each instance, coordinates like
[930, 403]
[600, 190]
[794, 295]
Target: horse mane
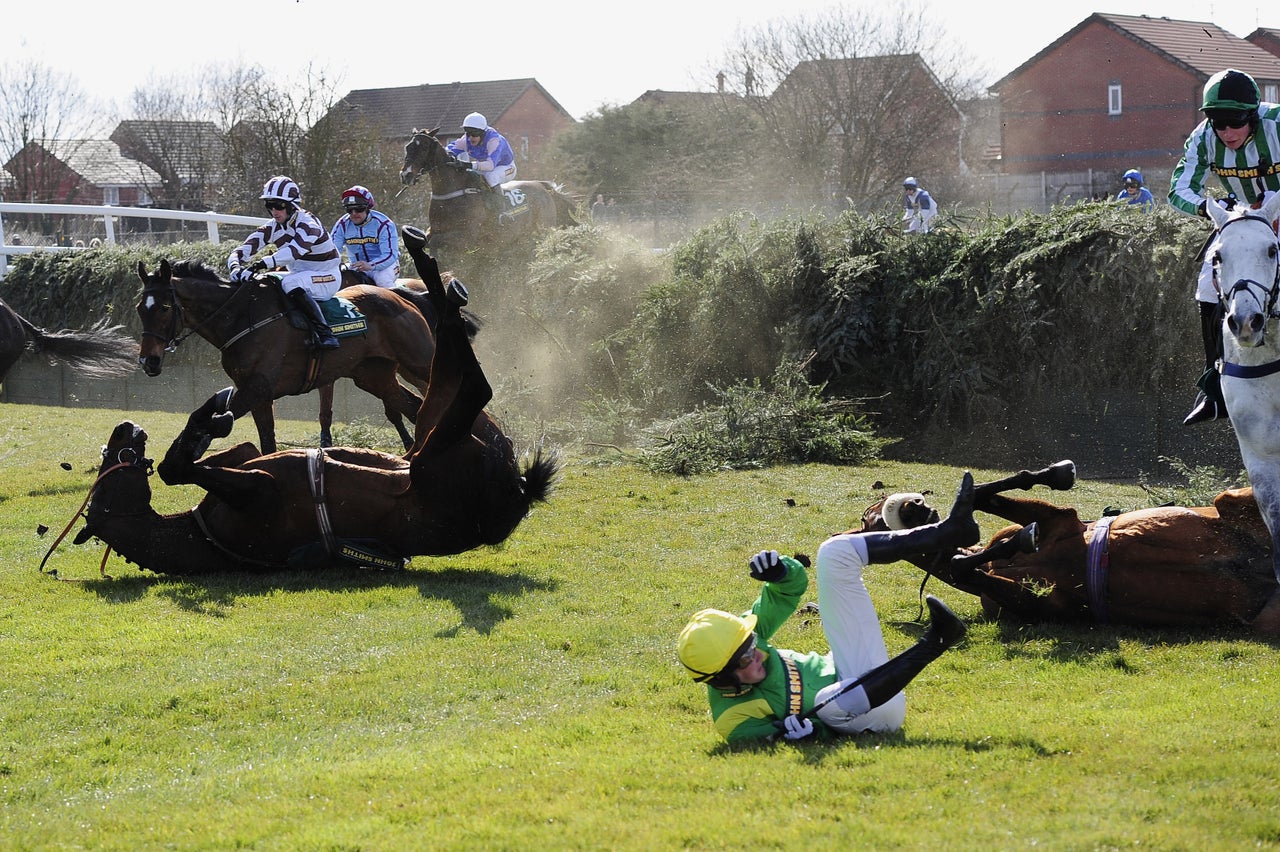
[190, 268]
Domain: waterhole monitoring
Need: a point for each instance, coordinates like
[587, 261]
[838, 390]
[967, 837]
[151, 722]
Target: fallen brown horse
[100, 352]
[1167, 566]
[460, 487]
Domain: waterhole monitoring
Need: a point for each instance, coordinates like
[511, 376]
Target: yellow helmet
[710, 639]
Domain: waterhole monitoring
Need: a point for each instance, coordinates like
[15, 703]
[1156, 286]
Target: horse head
[898, 512]
[116, 496]
[422, 153]
[1246, 268]
[161, 316]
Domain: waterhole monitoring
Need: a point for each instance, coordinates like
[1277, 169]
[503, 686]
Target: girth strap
[1097, 567]
[243, 560]
[315, 477]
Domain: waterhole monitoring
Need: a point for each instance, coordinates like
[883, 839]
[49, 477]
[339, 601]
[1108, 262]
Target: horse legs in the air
[458, 390]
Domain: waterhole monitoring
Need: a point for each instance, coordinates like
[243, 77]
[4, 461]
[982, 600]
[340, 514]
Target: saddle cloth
[343, 317]
[339, 313]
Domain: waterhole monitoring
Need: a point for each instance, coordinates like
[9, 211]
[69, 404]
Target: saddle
[339, 312]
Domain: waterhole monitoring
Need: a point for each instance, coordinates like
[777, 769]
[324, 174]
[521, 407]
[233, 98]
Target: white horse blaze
[1248, 271]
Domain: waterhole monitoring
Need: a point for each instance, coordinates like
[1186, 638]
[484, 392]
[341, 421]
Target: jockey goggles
[357, 208]
[746, 656]
[1230, 120]
[277, 205]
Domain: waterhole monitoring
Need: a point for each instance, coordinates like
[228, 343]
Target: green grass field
[528, 697]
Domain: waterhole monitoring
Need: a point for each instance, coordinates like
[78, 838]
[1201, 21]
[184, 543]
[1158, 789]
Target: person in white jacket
[920, 208]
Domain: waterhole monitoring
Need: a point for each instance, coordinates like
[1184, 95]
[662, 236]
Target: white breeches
[321, 279]
[853, 632]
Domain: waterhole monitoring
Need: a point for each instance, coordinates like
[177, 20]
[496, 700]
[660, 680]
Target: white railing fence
[107, 216]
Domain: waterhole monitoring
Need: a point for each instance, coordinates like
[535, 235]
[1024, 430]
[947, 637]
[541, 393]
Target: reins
[175, 340]
[1267, 301]
[143, 464]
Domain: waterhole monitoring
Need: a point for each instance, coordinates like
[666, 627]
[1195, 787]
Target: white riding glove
[241, 273]
[767, 566]
[797, 728]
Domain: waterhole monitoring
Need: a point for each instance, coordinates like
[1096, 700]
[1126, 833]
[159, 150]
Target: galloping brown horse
[1166, 566]
[267, 358]
[460, 218]
[461, 487]
[101, 352]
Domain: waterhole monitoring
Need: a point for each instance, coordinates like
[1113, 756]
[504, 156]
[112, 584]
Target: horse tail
[102, 352]
[539, 477]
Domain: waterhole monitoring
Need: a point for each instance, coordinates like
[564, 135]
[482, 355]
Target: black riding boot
[887, 680]
[321, 335]
[1209, 402]
[958, 530]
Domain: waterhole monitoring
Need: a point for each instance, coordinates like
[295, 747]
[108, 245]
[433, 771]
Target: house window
[111, 196]
[524, 147]
[1269, 93]
[1113, 99]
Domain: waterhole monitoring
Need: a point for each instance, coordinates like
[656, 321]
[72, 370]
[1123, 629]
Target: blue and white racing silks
[492, 151]
[377, 242]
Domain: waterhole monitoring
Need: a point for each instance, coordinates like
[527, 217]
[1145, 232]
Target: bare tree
[265, 125]
[171, 132]
[851, 97]
[45, 118]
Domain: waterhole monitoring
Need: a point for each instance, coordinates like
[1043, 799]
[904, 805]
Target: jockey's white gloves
[241, 273]
[767, 567]
[797, 728]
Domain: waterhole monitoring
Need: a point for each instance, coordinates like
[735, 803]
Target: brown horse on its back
[267, 358]
[460, 487]
[1167, 566]
[101, 352]
[459, 215]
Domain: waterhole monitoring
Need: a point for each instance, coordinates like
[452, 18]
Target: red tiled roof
[398, 111]
[1202, 48]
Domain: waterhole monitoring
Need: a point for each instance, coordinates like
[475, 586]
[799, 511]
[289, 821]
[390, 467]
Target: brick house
[521, 109]
[85, 171]
[1118, 92]
[185, 157]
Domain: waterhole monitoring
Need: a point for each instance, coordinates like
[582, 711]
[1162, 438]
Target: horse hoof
[1028, 539]
[414, 237]
[457, 292]
[219, 427]
[1062, 475]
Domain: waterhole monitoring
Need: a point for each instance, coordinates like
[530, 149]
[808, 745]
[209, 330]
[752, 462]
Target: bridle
[418, 140]
[126, 457]
[1269, 294]
[1266, 297]
[177, 320]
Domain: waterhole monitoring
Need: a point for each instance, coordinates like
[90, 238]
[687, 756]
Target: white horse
[1246, 268]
